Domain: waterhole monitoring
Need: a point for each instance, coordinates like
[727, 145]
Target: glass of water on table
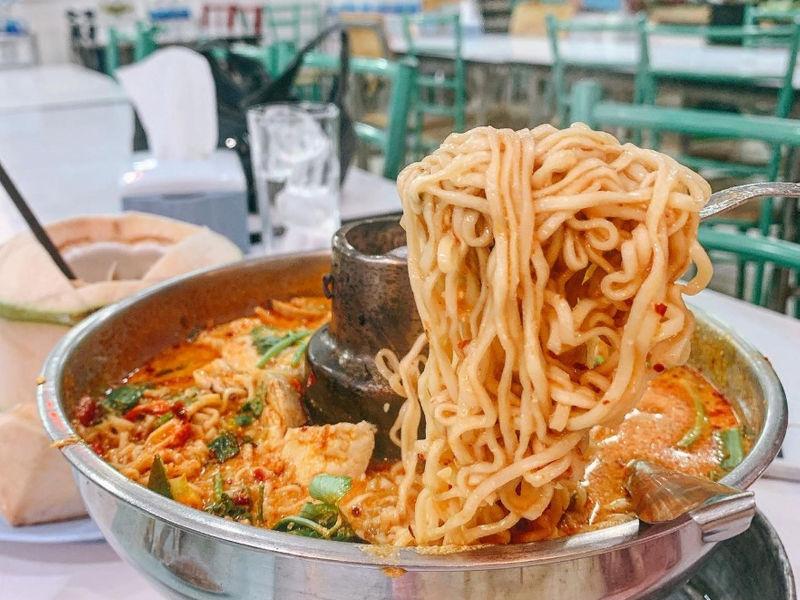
[294, 149]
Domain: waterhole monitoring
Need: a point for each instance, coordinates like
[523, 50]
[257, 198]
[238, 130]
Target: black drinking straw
[34, 224]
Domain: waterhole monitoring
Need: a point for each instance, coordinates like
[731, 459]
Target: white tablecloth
[56, 86]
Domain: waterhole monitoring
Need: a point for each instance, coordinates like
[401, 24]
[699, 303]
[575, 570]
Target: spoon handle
[725, 200]
[660, 495]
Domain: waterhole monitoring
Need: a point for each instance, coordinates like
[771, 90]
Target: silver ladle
[661, 495]
[733, 197]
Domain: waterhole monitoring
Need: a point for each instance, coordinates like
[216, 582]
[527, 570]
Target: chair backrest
[143, 44]
[756, 249]
[443, 25]
[366, 34]
[588, 107]
[285, 22]
[401, 75]
[787, 36]
[111, 53]
[587, 29]
[758, 15]
[583, 53]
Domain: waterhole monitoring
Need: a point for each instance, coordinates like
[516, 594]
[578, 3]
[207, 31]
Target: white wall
[47, 18]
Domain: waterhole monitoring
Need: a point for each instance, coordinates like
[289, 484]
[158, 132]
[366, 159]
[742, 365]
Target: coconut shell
[36, 483]
[24, 346]
[117, 256]
[34, 289]
[38, 304]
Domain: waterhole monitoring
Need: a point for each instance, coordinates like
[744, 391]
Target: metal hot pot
[189, 553]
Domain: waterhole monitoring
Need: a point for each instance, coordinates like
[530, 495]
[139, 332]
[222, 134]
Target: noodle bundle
[544, 266]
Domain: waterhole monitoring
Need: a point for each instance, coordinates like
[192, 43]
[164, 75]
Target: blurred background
[87, 104]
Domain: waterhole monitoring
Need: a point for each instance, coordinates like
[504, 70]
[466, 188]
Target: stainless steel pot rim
[91, 466]
[341, 242]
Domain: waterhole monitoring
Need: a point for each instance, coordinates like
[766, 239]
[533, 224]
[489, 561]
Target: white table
[65, 136]
[56, 86]
[668, 53]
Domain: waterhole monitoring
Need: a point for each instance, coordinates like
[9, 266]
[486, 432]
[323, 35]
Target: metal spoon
[659, 495]
[730, 198]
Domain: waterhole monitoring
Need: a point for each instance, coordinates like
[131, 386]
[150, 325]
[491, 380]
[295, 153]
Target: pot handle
[660, 495]
[327, 285]
[724, 517]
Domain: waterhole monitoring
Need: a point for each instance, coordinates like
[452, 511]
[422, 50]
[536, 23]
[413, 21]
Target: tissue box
[210, 192]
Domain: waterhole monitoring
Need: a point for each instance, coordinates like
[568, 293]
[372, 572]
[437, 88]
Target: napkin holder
[211, 192]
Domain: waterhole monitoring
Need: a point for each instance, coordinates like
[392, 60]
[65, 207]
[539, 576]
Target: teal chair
[561, 62]
[283, 26]
[284, 22]
[391, 141]
[587, 106]
[787, 37]
[757, 16]
[283, 34]
[759, 250]
[436, 95]
[274, 57]
[144, 43]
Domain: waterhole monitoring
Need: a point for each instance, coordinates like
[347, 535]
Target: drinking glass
[295, 157]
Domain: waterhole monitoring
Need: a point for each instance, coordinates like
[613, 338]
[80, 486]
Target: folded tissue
[183, 176]
[173, 93]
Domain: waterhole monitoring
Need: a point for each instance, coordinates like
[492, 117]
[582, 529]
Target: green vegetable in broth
[158, 481]
[264, 338]
[329, 488]
[322, 519]
[732, 447]
[288, 340]
[122, 399]
[223, 505]
[165, 418]
[700, 420]
[224, 446]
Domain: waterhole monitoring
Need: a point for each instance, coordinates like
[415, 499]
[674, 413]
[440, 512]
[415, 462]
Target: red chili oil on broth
[252, 468]
[653, 432]
[175, 367]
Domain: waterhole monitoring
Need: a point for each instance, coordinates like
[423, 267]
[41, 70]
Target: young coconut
[113, 257]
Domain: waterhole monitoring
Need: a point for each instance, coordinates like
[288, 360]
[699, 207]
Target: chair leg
[362, 156]
[758, 284]
[797, 296]
[558, 96]
[741, 274]
[778, 290]
[419, 126]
